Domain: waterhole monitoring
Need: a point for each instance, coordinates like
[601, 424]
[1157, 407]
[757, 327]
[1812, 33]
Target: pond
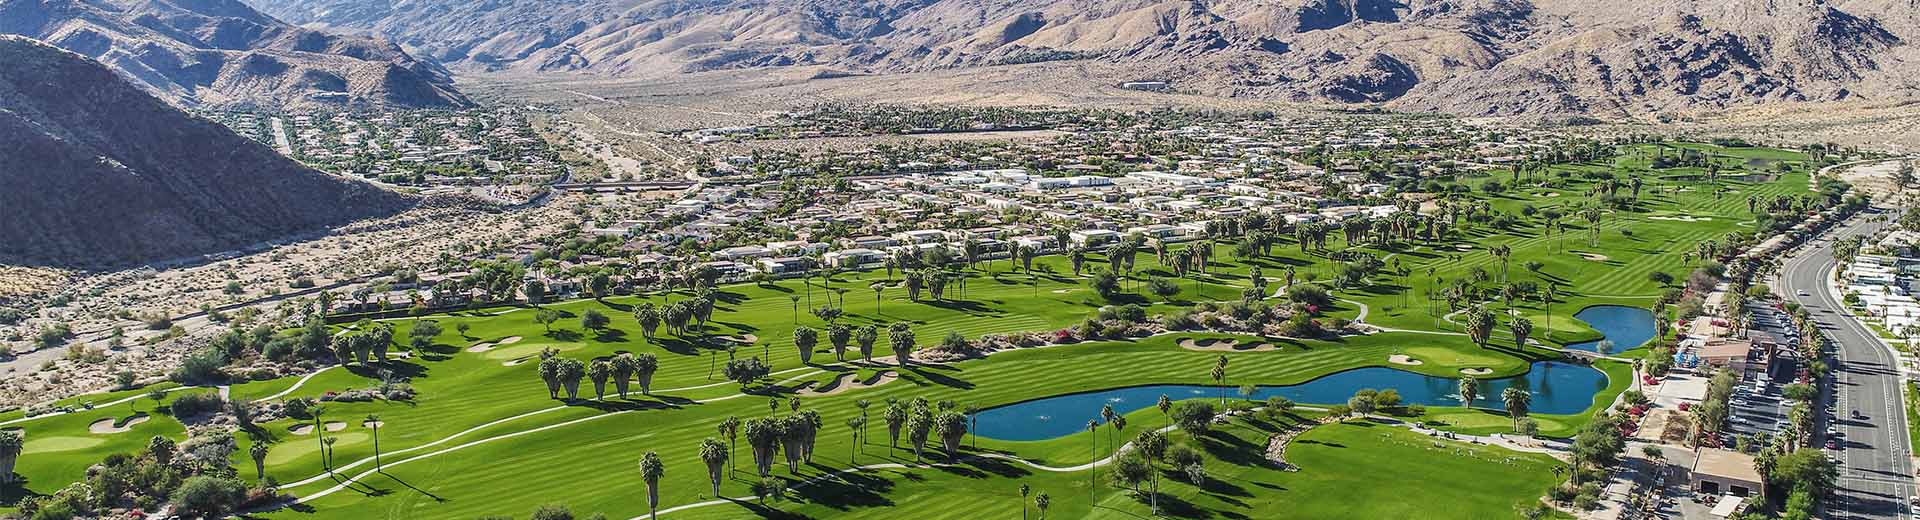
[1626, 327]
[1558, 388]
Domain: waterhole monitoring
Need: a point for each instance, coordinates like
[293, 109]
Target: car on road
[1832, 445]
[1802, 292]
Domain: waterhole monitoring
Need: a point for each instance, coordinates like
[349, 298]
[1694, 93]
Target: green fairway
[481, 436]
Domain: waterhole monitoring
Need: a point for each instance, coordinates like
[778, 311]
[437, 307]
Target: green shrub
[209, 496]
[193, 404]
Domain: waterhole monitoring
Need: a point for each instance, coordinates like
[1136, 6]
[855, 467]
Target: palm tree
[1551, 292]
[878, 287]
[865, 338]
[1469, 389]
[896, 416]
[973, 422]
[804, 339]
[622, 366]
[373, 422]
[1517, 401]
[1153, 447]
[730, 427]
[258, 451]
[1219, 374]
[854, 424]
[900, 339]
[715, 454]
[1522, 328]
[1041, 502]
[1165, 405]
[571, 370]
[650, 471]
[862, 404]
[550, 374]
[1024, 491]
[319, 435]
[1480, 325]
[1093, 427]
[599, 371]
[644, 365]
[1106, 414]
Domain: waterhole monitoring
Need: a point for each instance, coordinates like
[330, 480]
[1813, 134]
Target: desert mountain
[225, 53]
[1459, 56]
[101, 173]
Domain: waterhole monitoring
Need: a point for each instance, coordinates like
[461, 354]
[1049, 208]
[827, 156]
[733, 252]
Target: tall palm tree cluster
[367, 343]
[767, 437]
[922, 421]
[677, 316]
[565, 373]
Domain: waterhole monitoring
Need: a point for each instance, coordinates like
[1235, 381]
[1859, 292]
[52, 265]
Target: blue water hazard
[1626, 327]
[1558, 388]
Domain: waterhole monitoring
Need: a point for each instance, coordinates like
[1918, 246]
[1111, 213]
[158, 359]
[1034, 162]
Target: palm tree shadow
[938, 378]
[12, 493]
[436, 498]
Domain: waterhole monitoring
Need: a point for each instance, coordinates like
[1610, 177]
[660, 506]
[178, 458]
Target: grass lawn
[483, 437]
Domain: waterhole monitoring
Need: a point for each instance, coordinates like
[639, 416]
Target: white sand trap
[1550, 194]
[1062, 291]
[1463, 247]
[1682, 218]
[1403, 359]
[111, 425]
[483, 347]
[1476, 372]
[1595, 257]
[373, 424]
[334, 426]
[301, 429]
[513, 362]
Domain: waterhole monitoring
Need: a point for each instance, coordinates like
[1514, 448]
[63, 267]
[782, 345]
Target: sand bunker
[742, 339]
[1595, 257]
[845, 382]
[373, 424]
[483, 347]
[301, 429]
[1403, 359]
[513, 362]
[1550, 194]
[1476, 371]
[334, 426]
[111, 425]
[1682, 218]
[1225, 345]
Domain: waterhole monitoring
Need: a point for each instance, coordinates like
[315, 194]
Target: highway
[1876, 477]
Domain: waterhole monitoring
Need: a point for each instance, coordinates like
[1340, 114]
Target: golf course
[1042, 348]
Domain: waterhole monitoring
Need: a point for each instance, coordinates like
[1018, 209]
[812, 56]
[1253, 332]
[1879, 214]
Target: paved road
[1875, 477]
[280, 141]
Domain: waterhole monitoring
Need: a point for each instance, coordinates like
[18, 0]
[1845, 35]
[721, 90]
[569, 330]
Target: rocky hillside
[1460, 56]
[225, 53]
[100, 173]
